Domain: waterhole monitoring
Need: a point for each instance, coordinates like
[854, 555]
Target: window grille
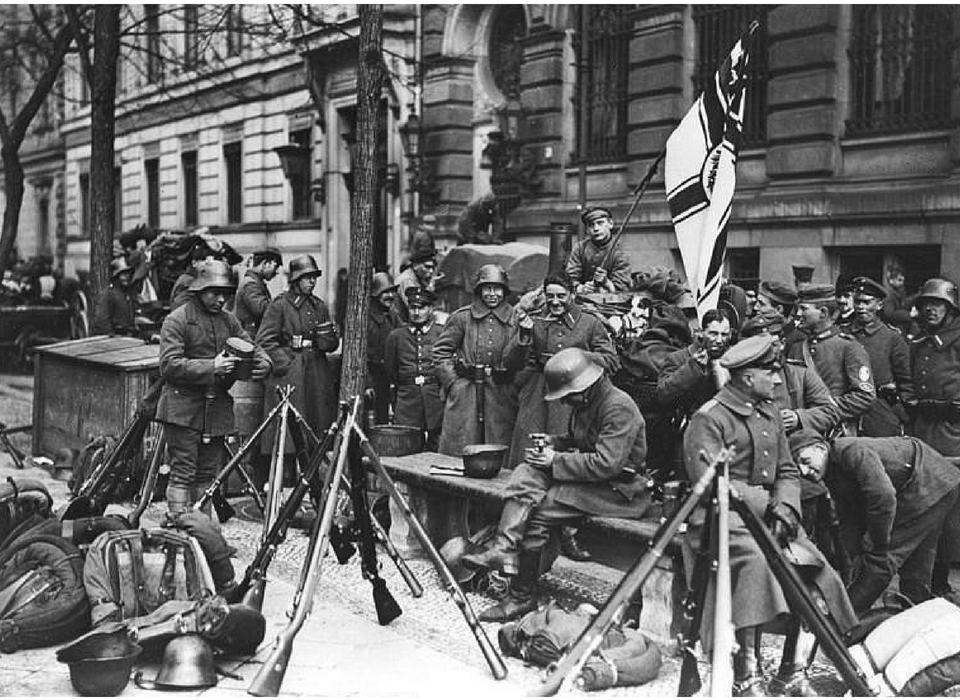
[300, 179]
[603, 51]
[152, 167]
[233, 160]
[188, 161]
[718, 27]
[506, 49]
[900, 68]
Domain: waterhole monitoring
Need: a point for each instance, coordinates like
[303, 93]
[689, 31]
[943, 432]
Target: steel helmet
[187, 663]
[491, 274]
[570, 371]
[213, 273]
[941, 290]
[301, 266]
[100, 662]
[382, 282]
[118, 265]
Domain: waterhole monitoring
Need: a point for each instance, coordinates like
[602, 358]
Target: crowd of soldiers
[828, 396]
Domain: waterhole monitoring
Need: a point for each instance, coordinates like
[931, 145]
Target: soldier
[935, 359]
[563, 325]
[195, 406]
[892, 496]
[381, 321]
[778, 297]
[843, 290]
[838, 358]
[408, 365]
[594, 468]
[477, 356]
[253, 296]
[896, 305]
[803, 398]
[116, 307]
[180, 294]
[421, 273]
[688, 378]
[743, 417]
[596, 264]
[297, 333]
[889, 360]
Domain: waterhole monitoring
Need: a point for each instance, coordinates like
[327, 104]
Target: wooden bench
[451, 506]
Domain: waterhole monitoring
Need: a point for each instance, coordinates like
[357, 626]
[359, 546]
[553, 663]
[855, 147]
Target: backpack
[131, 573]
[42, 597]
[19, 499]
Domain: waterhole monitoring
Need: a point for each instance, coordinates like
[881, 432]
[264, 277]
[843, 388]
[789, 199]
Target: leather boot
[501, 553]
[522, 596]
[791, 679]
[747, 674]
[178, 499]
[569, 547]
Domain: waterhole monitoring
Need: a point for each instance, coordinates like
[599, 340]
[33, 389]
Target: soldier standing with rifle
[195, 406]
[598, 264]
[935, 359]
[476, 358]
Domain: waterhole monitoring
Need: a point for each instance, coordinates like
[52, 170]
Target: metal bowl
[484, 461]
[395, 440]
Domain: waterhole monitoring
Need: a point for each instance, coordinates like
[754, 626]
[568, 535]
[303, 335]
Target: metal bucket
[247, 406]
[396, 440]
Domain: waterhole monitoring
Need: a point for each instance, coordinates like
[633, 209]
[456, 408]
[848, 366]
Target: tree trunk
[363, 203]
[13, 193]
[106, 34]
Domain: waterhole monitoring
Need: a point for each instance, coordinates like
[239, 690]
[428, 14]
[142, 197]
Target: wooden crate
[88, 387]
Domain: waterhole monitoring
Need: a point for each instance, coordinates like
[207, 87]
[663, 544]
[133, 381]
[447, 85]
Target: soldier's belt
[418, 380]
[480, 373]
[298, 342]
[938, 410]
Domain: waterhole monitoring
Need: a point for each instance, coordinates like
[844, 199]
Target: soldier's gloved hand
[261, 369]
[783, 522]
[224, 364]
[599, 277]
[871, 580]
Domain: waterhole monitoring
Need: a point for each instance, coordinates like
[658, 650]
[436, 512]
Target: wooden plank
[87, 346]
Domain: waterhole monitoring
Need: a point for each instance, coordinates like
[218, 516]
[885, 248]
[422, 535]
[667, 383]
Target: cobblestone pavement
[431, 636]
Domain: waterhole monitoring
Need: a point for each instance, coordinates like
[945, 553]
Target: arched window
[900, 68]
[505, 51]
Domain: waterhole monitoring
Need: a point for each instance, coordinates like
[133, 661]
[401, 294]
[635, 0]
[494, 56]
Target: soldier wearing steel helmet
[195, 406]
[381, 320]
[297, 333]
[593, 469]
[476, 359]
[935, 362]
[116, 307]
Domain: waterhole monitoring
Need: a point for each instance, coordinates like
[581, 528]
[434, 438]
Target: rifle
[721, 678]
[449, 580]
[149, 482]
[386, 605]
[10, 448]
[589, 640]
[800, 599]
[275, 480]
[213, 491]
[255, 575]
[270, 677]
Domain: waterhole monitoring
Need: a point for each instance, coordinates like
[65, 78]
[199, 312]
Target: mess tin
[243, 351]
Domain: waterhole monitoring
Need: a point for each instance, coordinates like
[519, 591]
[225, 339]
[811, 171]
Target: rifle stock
[590, 639]
[149, 482]
[492, 656]
[270, 677]
[690, 682]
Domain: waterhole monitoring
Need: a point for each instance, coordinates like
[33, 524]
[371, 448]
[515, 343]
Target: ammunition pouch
[480, 373]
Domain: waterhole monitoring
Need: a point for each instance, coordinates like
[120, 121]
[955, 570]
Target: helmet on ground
[301, 266]
[118, 265]
[491, 274]
[213, 274]
[187, 663]
[100, 662]
[382, 282]
[570, 371]
[941, 290]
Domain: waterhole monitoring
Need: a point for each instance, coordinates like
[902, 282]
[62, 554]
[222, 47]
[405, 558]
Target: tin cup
[243, 351]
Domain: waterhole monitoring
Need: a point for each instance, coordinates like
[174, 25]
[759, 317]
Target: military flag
[700, 174]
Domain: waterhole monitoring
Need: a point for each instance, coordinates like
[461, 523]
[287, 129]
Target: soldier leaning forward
[297, 333]
[194, 406]
[476, 358]
[408, 361]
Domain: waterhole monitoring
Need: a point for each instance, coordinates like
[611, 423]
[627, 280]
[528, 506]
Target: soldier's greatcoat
[587, 256]
[573, 329]
[890, 361]
[805, 393]
[252, 300]
[380, 323]
[764, 474]
[115, 313]
[477, 335]
[307, 369]
[408, 363]
[684, 382]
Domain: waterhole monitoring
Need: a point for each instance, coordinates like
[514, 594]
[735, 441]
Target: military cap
[779, 292]
[762, 351]
[268, 252]
[816, 294]
[804, 438]
[419, 296]
[763, 323]
[422, 248]
[591, 213]
[865, 286]
[381, 282]
[845, 283]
